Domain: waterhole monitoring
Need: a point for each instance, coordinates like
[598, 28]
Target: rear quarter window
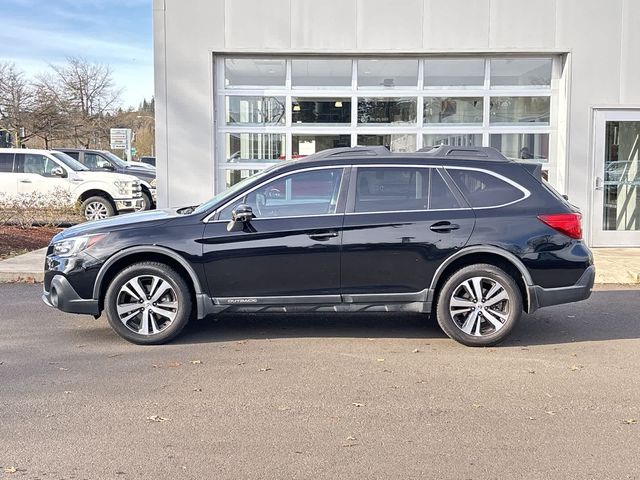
[482, 189]
[6, 162]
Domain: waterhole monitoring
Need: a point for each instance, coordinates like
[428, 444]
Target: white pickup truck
[102, 195]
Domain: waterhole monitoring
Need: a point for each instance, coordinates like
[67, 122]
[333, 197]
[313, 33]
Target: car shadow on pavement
[607, 315]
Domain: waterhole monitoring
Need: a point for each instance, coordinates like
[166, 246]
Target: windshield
[70, 162]
[230, 192]
[116, 159]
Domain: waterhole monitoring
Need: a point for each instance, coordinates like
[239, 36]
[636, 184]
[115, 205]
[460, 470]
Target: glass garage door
[276, 109]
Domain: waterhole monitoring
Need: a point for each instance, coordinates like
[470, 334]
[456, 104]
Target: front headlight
[122, 186]
[72, 246]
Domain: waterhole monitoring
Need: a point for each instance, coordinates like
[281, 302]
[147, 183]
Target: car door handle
[444, 227]
[25, 181]
[323, 235]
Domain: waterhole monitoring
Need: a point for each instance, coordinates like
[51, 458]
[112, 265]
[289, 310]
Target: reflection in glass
[320, 72]
[254, 147]
[255, 110]
[460, 110]
[254, 72]
[403, 142]
[303, 145]
[521, 71]
[328, 111]
[386, 110]
[622, 176]
[388, 73]
[454, 139]
[526, 146]
[235, 176]
[516, 110]
[453, 72]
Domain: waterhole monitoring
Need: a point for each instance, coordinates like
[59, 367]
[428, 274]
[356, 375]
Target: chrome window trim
[526, 193]
[207, 219]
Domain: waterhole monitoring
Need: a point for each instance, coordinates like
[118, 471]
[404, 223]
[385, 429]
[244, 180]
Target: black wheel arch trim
[510, 257]
[146, 249]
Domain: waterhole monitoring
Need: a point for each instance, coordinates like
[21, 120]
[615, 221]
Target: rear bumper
[544, 297]
[61, 295]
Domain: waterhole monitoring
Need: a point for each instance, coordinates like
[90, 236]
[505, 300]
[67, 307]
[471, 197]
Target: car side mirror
[58, 172]
[240, 217]
[104, 165]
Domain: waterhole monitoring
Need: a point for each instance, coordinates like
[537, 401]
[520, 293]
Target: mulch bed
[16, 240]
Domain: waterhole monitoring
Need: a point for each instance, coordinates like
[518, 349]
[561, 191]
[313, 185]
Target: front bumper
[544, 297]
[128, 204]
[62, 295]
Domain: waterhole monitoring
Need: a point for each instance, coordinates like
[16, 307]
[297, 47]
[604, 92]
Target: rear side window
[74, 155]
[392, 189]
[6, 162]
[483, 189]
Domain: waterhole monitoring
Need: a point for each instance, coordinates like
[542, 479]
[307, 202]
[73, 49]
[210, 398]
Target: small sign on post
[120, 139]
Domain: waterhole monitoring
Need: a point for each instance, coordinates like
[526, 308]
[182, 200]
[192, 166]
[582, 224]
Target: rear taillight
[567, 223]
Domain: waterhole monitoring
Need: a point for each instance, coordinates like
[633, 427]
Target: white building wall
[599, 38]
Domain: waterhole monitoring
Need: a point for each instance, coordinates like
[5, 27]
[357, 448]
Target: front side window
[391, 189]
[96, 162]
[482, 189]
[306, 193]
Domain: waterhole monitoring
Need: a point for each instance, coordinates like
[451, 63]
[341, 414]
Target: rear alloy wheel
[148, 303]
[97, 208]
[479, 305]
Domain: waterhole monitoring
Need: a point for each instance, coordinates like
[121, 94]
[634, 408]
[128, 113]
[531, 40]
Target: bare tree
[16, 101]
[85, 93]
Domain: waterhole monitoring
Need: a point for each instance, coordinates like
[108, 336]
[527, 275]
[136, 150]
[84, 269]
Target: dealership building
[245, 84]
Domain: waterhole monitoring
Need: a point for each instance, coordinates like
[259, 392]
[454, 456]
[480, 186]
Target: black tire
[95, 203]
[146, 271]
[488, 334]
[147, 201]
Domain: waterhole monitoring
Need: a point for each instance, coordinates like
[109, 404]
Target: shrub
[52, 208]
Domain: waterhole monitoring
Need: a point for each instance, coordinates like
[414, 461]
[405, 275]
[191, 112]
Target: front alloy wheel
[479, 305]
[148, 303]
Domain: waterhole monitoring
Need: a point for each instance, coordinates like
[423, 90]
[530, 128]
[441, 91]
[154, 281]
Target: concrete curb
[27, 268]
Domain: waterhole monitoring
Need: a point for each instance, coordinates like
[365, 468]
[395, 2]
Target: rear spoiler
[533, 168]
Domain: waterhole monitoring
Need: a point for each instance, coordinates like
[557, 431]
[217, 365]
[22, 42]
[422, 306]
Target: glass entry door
[616, 206]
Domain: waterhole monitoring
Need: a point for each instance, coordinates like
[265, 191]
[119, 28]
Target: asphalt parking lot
[321, 396]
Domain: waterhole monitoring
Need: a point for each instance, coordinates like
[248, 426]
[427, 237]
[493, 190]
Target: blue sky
[35, 33]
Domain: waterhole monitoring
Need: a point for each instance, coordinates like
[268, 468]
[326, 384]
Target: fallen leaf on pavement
[356, 404]
[175, 364]
[573, 368]
[63, 369]
[630, 421]
[380, 359]
[477, 405]
[351, 438]
[550, 412]
[196, 362]
[415, 350]
[531, 370]
[157, 418]
[10, 470]
[114, 355]
[265, 369]
[197, 389]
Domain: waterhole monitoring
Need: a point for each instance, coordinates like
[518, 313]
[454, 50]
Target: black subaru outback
[461, 233]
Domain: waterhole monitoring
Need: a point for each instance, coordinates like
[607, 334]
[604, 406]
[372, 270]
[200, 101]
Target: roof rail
[479, 153]
[349, 151]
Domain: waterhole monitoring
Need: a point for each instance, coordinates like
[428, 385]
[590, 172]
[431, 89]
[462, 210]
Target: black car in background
[460, 233]
[103, 160]
[148, 161]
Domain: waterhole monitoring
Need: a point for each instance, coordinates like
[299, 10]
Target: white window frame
[484, 91]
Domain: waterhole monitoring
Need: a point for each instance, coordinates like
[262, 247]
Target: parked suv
[105, 161]
[461, 233]
[101, 195]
